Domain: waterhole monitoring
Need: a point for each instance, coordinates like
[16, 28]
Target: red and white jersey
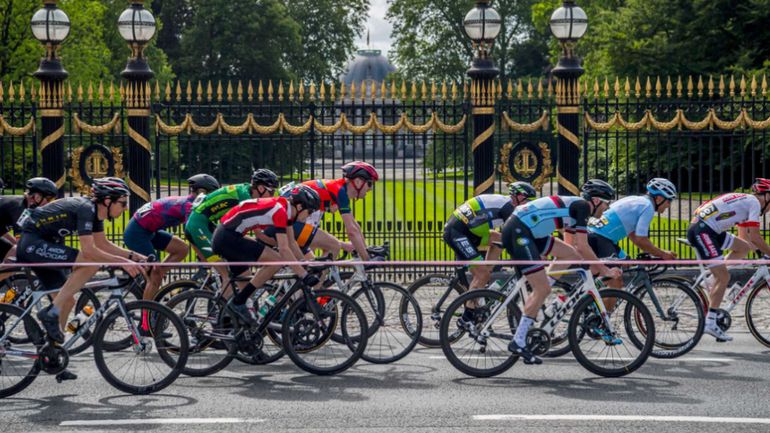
[259, 214]
[728, 210]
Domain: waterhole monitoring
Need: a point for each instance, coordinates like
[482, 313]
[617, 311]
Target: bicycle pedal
[65, 375]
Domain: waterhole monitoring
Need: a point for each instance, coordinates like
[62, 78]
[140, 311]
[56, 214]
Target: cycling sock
[711, 317]
[54, 310]
[551, 281]
[244, 294]
[521, 331]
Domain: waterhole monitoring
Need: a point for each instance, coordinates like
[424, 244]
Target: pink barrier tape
[405, 263]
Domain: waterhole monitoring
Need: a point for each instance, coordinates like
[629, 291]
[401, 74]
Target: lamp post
[51, 26]
[482, 25]
[568, 24]
[137, 26]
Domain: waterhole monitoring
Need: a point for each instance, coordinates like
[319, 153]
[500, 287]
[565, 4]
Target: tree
[328, 29]
[430, 40]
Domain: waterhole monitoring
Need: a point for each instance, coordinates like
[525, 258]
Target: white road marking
[151, 421]
[654, 418]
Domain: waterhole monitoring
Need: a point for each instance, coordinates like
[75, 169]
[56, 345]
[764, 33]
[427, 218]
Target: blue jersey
[545, 215]
[628, 215]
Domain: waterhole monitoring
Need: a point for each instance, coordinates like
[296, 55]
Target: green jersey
[215, 204]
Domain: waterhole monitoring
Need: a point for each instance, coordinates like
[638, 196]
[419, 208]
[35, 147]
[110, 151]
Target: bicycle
[306, 320]
[146, 328]
[590, 325]
[757, 300]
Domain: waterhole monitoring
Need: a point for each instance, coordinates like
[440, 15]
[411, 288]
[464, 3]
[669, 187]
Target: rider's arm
[285, 251]
[753, 236]
[102, 243]
[355, 235]
[647, 246]
[92, 252]
[10, 238]
[579, 240]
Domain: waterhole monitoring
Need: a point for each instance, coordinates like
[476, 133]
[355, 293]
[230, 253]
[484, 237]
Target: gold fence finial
[383, 91]
[229, 91]
[353, 91]
[648, 88]
[270, 90]
[414, 91]
[260, 92]
[764, 85]
[101, 91]
[454, 90]
[11, 92]
[333, 91]
[424, 91]
[596, 88]
[43, 96]
[530, 89]
[80, 91]
[743, 86]
[342, 91]
[519, 90]
[615, 87]
[444, 91]
[690, 86]
[722, 89]
[22, 91]
[33, 92]
[373, 90]
[433, 90]
[199, 91]
[700, 86]
[627, 88]
[509, 89]
[239, 91]
[291, 90]
[168, 92]
[363, 90]
[219, 91]
[280, 90]
[209, 91]
[147, 94]
[393, 90]
[69, 91]
[403, 90]
[250, 92]
[312, 91]
[558, 91]
[540, 88]
[711, 86]
[499, 89]
[732, 86]
[90, 91]
[322, 91]
[301, 90]
[638, 88]
[669, 86]
[549, 88]
[658, 87]
[753, 85]
[2, 92]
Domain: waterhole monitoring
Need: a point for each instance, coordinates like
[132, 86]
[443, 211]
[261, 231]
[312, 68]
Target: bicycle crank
[53, 358]
[724, 320]
[538, 341]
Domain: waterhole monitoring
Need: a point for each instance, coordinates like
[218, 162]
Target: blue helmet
[661, 187]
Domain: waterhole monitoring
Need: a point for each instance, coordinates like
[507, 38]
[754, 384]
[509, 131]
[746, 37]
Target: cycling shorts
[198, 231]
[604, 248]
[145, 242]
[708, 244]
[464, 243]
[234, 247]
[34, 249]
[303, 233]
[522, 245]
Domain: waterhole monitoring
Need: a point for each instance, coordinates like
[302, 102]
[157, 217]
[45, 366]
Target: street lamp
[568, 24]
[482, 25]
[51, 26]
[137, 26]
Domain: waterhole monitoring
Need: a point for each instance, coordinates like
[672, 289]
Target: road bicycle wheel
[370, 298]
[678, 316]
[397, 323]
[611, 353]
[757, 318]
[201, 311]
[165, 293]
[17, 371]
[157, 354]
[470, 351]
[433, 294]
[307, 336]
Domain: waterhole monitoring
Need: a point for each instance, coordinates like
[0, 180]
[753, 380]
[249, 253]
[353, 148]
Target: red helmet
[760, 186]
[360, 169]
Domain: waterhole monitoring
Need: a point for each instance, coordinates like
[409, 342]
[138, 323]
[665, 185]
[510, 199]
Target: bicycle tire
[299, 326]
[167, 292]
[665, 331]
[587, 322]
[395, 304]
[200, 325]
[32, 339]
[161, 321]
[753, 319]
[450, 345]
[432, 314]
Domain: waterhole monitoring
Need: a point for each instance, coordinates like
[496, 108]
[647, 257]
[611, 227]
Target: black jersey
[11, 208]
[64, 217]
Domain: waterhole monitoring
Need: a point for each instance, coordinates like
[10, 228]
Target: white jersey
[729, 210]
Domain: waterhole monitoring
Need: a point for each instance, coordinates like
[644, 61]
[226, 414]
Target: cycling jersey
[547, 214]
[628, 215]
[484, 213]
[259, 214]
[11, 208]
[164, 213]
[332, 192]
[728, 210]
[217, 203]
[63, 217]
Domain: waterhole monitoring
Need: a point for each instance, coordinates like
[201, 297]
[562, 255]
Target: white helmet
[662, 187]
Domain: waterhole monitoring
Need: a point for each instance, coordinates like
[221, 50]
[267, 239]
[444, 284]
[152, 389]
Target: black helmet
[263, 176]
[203, 181]
[306, 196]
[522, 188]
[109, 187]
[597, 188]
[42, 185]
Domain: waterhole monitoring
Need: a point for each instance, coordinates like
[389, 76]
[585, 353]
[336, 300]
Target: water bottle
[554, 306]
[269, 302]
[10, 295]
[79, 319]
[496, 285]
[734, 290]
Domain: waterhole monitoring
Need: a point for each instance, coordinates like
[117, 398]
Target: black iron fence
[707, 136]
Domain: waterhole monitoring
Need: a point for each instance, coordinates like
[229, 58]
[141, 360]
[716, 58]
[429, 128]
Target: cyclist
[42, 241]
[709, 235]
[230, 241]
[39, 191]
[527, 235]
[631, 217]
[474, 224]
[146, 231]
[357, 179]
[208, 209]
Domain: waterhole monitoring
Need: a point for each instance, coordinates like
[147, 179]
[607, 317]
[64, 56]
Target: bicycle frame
[734, 298]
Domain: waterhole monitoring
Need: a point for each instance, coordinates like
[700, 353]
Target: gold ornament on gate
[529, 163]
[92, 162]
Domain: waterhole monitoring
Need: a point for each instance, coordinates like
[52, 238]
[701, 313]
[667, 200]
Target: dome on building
[367, 65]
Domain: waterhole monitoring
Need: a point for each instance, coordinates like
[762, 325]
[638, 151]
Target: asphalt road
[722, 386]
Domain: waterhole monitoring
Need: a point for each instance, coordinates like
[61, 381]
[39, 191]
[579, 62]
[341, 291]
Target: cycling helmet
[265, 177]
[109, 187]
[203, 181]
[597, 188]
[662, 187]
[306, 196]
[42, 185]
[360, 169]
[522, 188]
[760, 186]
